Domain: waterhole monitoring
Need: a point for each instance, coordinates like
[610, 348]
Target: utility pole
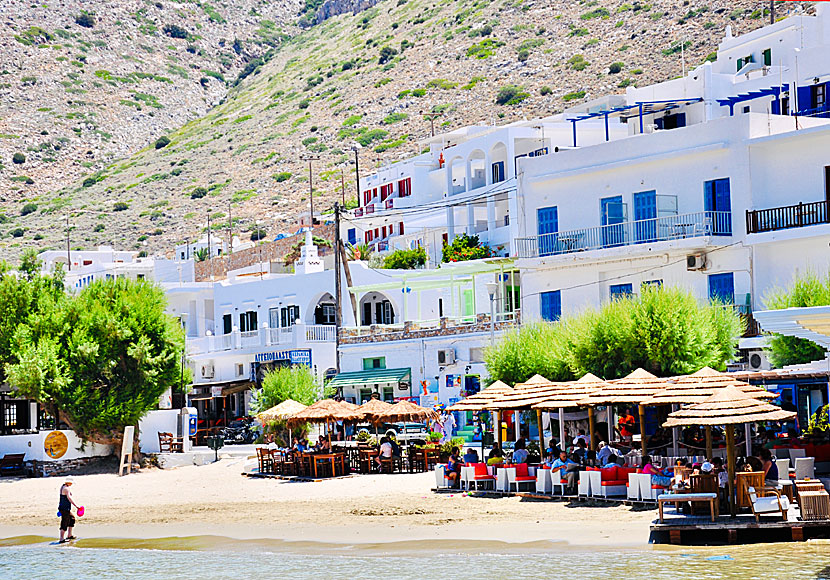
[431, 116]
[68, 258]
[343, 187]
[355, 148]
[772, 11]
[338, 313]
[310, 158]
[230, 229]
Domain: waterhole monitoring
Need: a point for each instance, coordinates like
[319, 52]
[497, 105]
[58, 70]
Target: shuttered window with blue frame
[722, 287]
[645, 216]
[620, 290]
[612, 216]
[717, 203]
[551, 305]
[547, 227]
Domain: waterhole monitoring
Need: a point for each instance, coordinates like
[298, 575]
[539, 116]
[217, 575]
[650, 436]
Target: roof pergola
[811, 322]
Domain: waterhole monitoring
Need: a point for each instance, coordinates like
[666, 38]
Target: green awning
[371, 377]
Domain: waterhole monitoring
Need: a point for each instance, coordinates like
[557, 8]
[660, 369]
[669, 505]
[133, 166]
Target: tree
[386, 54]
[283, 383]
[463, 248]
[663, 330]
[358, 251]
[405, 259]
[201, 254]
[806, 290]
[100, 359]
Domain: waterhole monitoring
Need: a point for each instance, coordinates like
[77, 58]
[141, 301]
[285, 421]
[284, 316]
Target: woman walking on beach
[65, 504]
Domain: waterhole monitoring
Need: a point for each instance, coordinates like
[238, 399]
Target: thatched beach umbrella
[697, 387]
[728, 406]
[282, 411]
[406, 411]
[569, 396]
[635, 388]
[523, 397]
[479, 402]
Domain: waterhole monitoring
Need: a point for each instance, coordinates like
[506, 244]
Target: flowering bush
[464, 248]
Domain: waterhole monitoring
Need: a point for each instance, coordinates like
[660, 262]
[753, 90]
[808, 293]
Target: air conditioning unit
[446, 356]
[207, 371]
[758, 361]
[695, 262]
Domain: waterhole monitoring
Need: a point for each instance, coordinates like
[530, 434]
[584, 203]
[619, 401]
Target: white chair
[516, 480]
[784, 480]
[587, 482]
[502, 483]
[796, 453]
[771, 504]
[805, 468]
[466, 476]
[543, 481]
[441, 482]
[634, 485]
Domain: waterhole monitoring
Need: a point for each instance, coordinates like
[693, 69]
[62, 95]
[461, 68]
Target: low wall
[153, 423]
[33, 446]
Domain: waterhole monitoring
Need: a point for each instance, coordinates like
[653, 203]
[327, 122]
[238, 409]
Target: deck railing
[786, 217]
[673, 227]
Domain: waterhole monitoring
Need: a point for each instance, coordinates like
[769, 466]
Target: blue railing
[822, 112]
[674, 227]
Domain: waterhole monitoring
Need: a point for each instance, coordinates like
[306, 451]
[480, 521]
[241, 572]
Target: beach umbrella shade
[569, 396]
[478, 402]
[406, 411]
[282, 411]
[728, 406]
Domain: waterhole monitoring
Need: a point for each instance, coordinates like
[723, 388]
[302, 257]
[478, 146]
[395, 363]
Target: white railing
[320, 333]
[262, 338]
[249, 338]
[226, 342]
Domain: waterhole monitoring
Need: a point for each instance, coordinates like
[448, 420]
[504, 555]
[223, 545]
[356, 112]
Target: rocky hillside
[76, 98]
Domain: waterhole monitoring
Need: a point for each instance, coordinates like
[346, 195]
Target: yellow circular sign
[55, 445]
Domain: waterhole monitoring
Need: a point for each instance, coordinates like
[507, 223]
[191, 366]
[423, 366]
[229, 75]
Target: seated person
[568, 470]
[553, 447]
[299, 446]
[471, 456]
[770, 468]
[723, 480]
[550, 457]
[611, 461]
[657, 475]
[396, 449]
[385, 451]
[496, 455]
[323, 446]
[605, 451]
[581, 452]
[453, 468]
[519, 452]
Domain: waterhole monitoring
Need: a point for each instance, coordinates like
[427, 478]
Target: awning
[203, 391]
[810, 322]
[371, 377]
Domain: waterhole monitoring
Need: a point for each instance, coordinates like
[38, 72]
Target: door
[612, 214]
[498, 171]
[227, 324]
[722, 287]
[717, 204]
[645, 216]
[551, 305]
[469, 306]
[547, 220]
[367, 314]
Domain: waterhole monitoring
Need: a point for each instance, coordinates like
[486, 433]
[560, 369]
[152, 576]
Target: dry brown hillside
[365, 77]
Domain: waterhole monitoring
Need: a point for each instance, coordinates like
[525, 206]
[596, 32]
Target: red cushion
[608, 473]
[521, 470]
[654, 486]
[480, 469]
[483, 477]
[525, 478]
[613, 482]
[563, 481]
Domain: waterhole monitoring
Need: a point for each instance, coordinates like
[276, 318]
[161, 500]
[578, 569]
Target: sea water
[214, 559]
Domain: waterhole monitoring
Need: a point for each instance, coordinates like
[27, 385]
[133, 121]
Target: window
[476, 354]
[289, 315]
[383, 312]
[745, 109]
[374, 363]
[538, 152]
[621, 291]
[767, 57]
[365, 395]
[351, 236]
[818, 96]
[247, 321]
[498, 171]
[386, 191]
[658, 283]
[551, 305]
[785, 105]
[722, 287]
[240, 369]
[547, 226]
[405, 187]
[273, 318]
[400, 228]
[369, 236]
[367, 197]
[717, 204]
[227, 324]
[325, 314]
[10, 416]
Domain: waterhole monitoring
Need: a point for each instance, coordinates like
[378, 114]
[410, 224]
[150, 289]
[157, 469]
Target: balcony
[667, 228]
[446, 326]
[820, 112]
[786, 217]
[297, 335]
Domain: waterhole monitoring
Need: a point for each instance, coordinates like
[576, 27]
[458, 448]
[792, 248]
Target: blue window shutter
[621, 290]
[352, 235]
[722, 287]
[645, 216]
[551, 305]
[708, 197]
[547, 224]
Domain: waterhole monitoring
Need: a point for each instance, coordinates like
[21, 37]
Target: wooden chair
[170, 444]
[702, 483]
[13, 464]
[266, 462]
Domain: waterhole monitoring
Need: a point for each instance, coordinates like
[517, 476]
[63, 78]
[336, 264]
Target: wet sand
[217, 501]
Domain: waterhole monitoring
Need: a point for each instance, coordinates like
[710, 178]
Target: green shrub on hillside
[511, 95]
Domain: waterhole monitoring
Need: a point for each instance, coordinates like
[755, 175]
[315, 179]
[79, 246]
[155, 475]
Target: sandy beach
[216, 500]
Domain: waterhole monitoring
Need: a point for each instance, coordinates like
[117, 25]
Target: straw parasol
[479, 402]
[406, 411]
[728, 406]
[373, 407]
[282, 411]
[533, 381]
[569, 396]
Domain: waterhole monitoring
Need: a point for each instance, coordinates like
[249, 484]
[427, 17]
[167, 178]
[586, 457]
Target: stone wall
[270, 252]
[51, 468]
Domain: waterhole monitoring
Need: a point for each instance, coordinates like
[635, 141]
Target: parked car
[403, 432]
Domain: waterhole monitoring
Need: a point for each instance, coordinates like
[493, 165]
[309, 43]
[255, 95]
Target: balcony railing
[786, 217]
[295, 335]
[673, 227]
[320, 333]
[821, 112]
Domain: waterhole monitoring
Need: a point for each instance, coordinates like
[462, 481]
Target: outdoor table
[426, 456]
[815, 505]
[365, 457]
[335, 458]
[807, 485]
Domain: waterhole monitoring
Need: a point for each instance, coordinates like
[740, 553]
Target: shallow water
[216, 558]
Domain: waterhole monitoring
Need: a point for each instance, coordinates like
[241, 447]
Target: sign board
[55, 445]
[216, 392]
[127, 450]
[295, 357]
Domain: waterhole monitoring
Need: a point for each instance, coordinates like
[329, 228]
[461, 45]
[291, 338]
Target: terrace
[787, 217]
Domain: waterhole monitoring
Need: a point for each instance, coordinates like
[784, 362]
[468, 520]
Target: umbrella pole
[481, 424]
[562, 445]
[730, 467]
[675, 448]
[541, 434]
[592, 446]
[748, 437]
[643, 441]
[497, 428]
[708, 442]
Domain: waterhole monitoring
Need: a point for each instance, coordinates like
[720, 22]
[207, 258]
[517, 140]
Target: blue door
[548, 225]
[352, 236]
[717, 203]
[620, 291]
[498, 171]
[612, 215]
[722, 287]
[551, 305]
[645, 216]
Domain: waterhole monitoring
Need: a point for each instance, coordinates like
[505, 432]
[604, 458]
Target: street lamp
[491, 290]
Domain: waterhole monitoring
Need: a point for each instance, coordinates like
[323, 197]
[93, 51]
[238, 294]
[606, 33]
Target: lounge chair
[481, 475]
[441, 481]
[13, 464]
[544, 484]
[771, 504]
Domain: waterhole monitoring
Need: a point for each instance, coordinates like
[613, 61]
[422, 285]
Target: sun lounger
[13, 464]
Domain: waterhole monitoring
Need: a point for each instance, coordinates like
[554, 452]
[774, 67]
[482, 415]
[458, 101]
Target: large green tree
[100, 359]
[296, 382]
[806, 290]
[664, 330]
